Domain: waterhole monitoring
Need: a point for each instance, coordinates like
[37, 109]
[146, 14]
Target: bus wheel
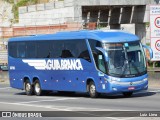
[127, 94]
[28, 88]
[92, 90]
[37, 88]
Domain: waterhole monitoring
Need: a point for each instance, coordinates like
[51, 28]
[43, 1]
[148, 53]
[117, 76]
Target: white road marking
[117, 118]
[66, 109]
[38, 106]
[39, 97]
[155, 88]
[5, 88]
[154, 91]
[113, 118]
[48, 100]
[127, 118]
[90, 109]
[53, 108]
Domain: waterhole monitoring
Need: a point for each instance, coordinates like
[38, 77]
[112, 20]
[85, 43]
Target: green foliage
[15, 12]
[148, 44]
[157, 64]
[9, 1]
[147, 23]
[150, 63]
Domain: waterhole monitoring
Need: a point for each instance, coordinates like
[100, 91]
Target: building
[49, 16]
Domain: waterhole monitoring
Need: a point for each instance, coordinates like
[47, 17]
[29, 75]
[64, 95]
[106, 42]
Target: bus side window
[85, 55]
[101, 63]
[82, 50]
[21, 50]
[66, 54]
[31, 51]
[12, 49]
[99, 60]
[44, 49]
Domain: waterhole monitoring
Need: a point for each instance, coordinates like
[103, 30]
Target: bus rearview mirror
[149, 49]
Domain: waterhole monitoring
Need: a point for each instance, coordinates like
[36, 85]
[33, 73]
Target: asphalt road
[16, 100]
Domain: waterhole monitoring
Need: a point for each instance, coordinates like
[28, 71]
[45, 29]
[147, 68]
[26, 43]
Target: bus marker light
[103, 86]
[115, 89]
[146, 86]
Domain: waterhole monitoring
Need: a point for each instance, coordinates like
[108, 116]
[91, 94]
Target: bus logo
[63, 64]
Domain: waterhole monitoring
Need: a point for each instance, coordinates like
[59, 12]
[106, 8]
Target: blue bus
[92, 61]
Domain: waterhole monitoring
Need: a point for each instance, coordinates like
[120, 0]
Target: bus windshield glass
[125, 59]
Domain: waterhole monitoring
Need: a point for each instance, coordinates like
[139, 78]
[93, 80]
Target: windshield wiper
[125, 67]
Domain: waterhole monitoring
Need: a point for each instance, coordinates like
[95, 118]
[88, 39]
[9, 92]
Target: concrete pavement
[16, 100]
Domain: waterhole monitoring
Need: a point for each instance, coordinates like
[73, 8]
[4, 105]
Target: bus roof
[108, 36]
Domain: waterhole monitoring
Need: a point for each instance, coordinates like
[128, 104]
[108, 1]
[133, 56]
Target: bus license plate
[131, 88]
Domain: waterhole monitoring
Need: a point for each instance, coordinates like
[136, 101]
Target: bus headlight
[114, 80]
[106, 79]
[145, 79]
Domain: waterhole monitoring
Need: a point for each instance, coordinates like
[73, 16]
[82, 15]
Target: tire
[92, 90]
[28, 88]
[127, 94]
[37, 88]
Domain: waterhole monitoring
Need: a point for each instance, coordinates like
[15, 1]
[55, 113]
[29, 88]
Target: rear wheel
[92, 90]
[28, 88]
[127, 94]
[37, 88]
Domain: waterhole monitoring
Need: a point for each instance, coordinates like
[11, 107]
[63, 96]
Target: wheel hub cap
[92, 89]
[37, 88]
[28, 87]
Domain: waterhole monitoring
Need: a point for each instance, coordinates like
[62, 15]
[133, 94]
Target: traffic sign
[157, 45]
[155, 31]
[157, 22]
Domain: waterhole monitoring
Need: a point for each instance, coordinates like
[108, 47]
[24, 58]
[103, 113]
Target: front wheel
[37, 88]
[127, 94]
[92, 90]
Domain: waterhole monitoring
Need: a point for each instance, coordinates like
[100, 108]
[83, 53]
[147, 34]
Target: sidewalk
[154, 79]
[4, 77]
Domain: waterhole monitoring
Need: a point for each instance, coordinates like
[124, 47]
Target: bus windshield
[125, 59]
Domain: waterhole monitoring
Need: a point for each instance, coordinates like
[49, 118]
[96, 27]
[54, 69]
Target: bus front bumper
[118, 87]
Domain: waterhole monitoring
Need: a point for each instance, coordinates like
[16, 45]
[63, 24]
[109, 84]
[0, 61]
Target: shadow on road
[135, 95]
[84, 95]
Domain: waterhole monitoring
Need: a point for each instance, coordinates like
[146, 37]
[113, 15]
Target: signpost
[155, 31]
